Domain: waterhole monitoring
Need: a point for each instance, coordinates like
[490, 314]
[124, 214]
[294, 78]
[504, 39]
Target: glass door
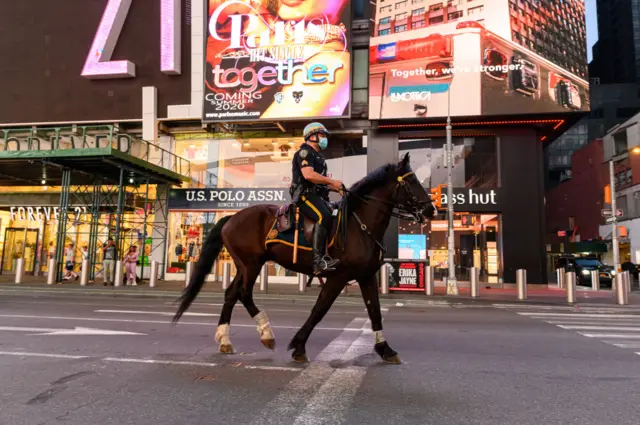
[31, 251]
[19, 243]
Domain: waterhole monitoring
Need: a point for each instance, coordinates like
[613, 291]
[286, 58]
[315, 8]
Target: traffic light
[607, 194]
[467, 220]
[436, 195]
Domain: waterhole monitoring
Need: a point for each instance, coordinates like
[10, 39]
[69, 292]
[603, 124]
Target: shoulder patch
[303, 153]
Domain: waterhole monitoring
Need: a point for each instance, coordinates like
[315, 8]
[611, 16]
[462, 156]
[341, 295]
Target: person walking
[70, 262]
[108, 261]
[130, 261]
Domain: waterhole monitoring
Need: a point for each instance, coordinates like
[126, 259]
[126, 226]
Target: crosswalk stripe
[599, 328]
[605, 335]
[591, 315]
[624, 345]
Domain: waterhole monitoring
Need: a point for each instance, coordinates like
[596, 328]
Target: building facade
[143, 129]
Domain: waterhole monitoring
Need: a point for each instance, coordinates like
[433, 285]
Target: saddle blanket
[286, 237]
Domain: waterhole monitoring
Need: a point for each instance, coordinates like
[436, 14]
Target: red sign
[562, 233]
[407, 276]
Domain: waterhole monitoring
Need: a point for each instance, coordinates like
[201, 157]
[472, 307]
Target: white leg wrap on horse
[222, 335]
[379, 337]
[264, 327]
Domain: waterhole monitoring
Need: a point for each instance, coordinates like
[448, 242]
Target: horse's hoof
[269, 343]
[395, 359]
[300, 358]
[226, 349]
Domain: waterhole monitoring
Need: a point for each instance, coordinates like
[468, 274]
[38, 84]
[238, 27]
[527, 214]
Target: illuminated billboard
[277, 59]
[429, 58]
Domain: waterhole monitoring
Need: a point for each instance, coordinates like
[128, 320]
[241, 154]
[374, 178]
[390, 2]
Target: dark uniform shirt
[308, 157]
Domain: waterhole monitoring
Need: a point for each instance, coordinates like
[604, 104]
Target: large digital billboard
[277, 59]
[431, 58]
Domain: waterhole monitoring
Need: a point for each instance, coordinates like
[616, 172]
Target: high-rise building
[616, 55]
[554, 29]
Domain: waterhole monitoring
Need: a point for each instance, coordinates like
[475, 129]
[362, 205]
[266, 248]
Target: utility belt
[298, 191]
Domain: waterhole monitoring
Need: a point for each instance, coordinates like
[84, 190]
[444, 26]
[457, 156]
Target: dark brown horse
[391, 190]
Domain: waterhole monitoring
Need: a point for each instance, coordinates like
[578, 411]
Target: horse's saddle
[286, 219]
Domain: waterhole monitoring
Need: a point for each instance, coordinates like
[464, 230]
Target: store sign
[263, 61]
[39, 214]
[225, 199]
[474, 65]
[472, 200]
[406, 275]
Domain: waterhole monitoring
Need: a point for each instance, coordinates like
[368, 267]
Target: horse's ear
[404, 163]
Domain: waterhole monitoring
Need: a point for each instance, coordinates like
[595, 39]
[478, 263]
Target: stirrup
[325, 265]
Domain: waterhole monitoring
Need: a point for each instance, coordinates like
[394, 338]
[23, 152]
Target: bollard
[153, 278]
[214, 270]
[51, 271]
[187, 274]
[570, 283]
[622, 297]
[627, 281]
[384, 279]
[521, 283]
[19, 270]
[84, 273]
[595, 280]
[264, 278]
[226, 275]
[560, 276]
[117, 279]
[302, 282]
[429, 282]
[474, 282]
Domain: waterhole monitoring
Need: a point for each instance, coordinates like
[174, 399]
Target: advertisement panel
[407, 275]
[468, 58]
[89, 60]
[272, 60]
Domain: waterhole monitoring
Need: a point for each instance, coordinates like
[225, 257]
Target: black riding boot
[321, 263]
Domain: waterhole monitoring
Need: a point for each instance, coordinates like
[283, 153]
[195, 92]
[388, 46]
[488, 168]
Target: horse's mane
[375, 179]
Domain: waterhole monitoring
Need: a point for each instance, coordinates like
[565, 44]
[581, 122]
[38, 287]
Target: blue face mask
[323, 142]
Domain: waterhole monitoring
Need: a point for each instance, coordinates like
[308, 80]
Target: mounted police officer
[310, 191]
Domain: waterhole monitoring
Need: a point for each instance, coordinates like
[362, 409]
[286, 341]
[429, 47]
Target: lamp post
[614, 218]
[452, 284]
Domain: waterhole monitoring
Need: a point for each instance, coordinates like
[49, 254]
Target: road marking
[624, 345]
[157, 313]
[600, 328]
[604, 335]
[151, 361]
[75, 331]
[163, 322]
[279, 368]
[315, 383]
[28, 354]
[591, 315]
[330, 404]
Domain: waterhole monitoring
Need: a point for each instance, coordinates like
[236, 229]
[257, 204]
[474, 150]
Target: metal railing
[91, 137]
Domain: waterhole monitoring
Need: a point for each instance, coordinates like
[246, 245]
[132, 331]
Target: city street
[95, 359]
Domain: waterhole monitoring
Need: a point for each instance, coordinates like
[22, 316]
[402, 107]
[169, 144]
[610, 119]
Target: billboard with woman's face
[432, 58]
[277, 59]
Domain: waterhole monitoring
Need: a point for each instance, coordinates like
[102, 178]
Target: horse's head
[410, 197]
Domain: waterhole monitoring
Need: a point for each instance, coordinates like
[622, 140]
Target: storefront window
[246, 163]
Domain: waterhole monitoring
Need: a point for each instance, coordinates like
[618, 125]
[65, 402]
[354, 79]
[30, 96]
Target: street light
[614, 216]
[452, 285]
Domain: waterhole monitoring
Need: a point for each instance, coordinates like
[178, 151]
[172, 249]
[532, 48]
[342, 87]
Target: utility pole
[452, 285]
[614, 218]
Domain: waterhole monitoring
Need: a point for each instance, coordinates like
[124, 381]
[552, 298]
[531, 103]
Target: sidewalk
[537, 294]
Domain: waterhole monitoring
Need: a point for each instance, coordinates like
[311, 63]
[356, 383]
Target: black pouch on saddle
[285, 217]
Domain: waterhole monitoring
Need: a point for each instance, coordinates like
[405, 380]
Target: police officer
[310, 191]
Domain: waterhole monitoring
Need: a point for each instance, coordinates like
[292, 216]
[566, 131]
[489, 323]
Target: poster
[406, 275]
[277, 59]
[474, 58]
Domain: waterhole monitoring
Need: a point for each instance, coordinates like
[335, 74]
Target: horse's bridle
[412, 210]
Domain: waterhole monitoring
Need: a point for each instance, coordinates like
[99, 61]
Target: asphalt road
[462, 365]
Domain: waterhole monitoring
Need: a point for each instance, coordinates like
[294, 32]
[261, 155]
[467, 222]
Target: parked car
[583, 267]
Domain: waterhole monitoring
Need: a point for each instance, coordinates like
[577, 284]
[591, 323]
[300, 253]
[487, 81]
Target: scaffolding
[112, 185]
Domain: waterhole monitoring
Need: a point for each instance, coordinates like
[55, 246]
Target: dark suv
[583, 267]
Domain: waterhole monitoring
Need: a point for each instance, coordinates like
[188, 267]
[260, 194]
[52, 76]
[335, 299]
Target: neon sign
[99, 63]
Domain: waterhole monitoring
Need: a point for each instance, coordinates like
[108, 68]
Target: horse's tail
[210, 250]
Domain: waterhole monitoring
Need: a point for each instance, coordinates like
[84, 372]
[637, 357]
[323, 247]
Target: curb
[460, 301]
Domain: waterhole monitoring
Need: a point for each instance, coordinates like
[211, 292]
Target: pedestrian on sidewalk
[108, 261]
[70, 263]
[130, 261]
